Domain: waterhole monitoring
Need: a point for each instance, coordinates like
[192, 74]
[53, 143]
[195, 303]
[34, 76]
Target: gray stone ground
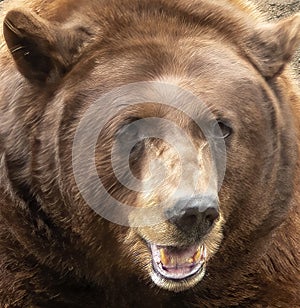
[278, 8]
[275, 9]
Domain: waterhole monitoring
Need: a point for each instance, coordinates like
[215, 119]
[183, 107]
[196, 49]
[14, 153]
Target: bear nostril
[190, 217]
[210, 215]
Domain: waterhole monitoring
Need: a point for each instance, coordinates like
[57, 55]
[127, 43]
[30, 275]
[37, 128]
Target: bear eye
[128, 133]
[130, 138]
[226, 130]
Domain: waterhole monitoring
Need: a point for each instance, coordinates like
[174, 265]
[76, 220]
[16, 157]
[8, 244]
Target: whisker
[12, 27]
[17, 48]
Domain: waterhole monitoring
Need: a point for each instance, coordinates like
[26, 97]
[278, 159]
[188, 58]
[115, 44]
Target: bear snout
[195, 214]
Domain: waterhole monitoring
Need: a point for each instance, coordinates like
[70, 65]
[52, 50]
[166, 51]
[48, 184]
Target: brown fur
[59, 56]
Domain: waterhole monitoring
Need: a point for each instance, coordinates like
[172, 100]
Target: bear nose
[194, 214]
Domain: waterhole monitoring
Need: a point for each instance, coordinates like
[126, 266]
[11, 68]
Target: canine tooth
[203, 252]
[201, 249]
[197, 255]
[163, 257]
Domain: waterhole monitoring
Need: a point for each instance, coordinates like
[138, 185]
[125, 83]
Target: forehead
[213, 72]
[186, 57]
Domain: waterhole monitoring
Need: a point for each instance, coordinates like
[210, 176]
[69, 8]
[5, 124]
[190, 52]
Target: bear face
[166, 240]
[186, 129]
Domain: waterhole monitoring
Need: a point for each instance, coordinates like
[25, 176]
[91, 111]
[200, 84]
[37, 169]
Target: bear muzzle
[178, 267]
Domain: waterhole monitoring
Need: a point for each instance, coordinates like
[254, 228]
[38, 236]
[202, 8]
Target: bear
[149, 155]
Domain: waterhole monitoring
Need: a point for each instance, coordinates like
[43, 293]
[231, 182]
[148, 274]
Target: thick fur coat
[56, 58]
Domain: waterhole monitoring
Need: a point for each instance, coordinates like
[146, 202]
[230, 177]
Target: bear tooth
[203, 252]
[163, 257]
[197, 255]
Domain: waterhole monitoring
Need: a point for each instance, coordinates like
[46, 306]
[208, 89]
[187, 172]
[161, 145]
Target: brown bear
[149, 155]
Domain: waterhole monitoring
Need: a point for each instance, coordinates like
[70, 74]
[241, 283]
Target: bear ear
[272, 46]
[42, 51]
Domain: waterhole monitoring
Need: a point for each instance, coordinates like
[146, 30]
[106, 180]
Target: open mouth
[178, 263]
